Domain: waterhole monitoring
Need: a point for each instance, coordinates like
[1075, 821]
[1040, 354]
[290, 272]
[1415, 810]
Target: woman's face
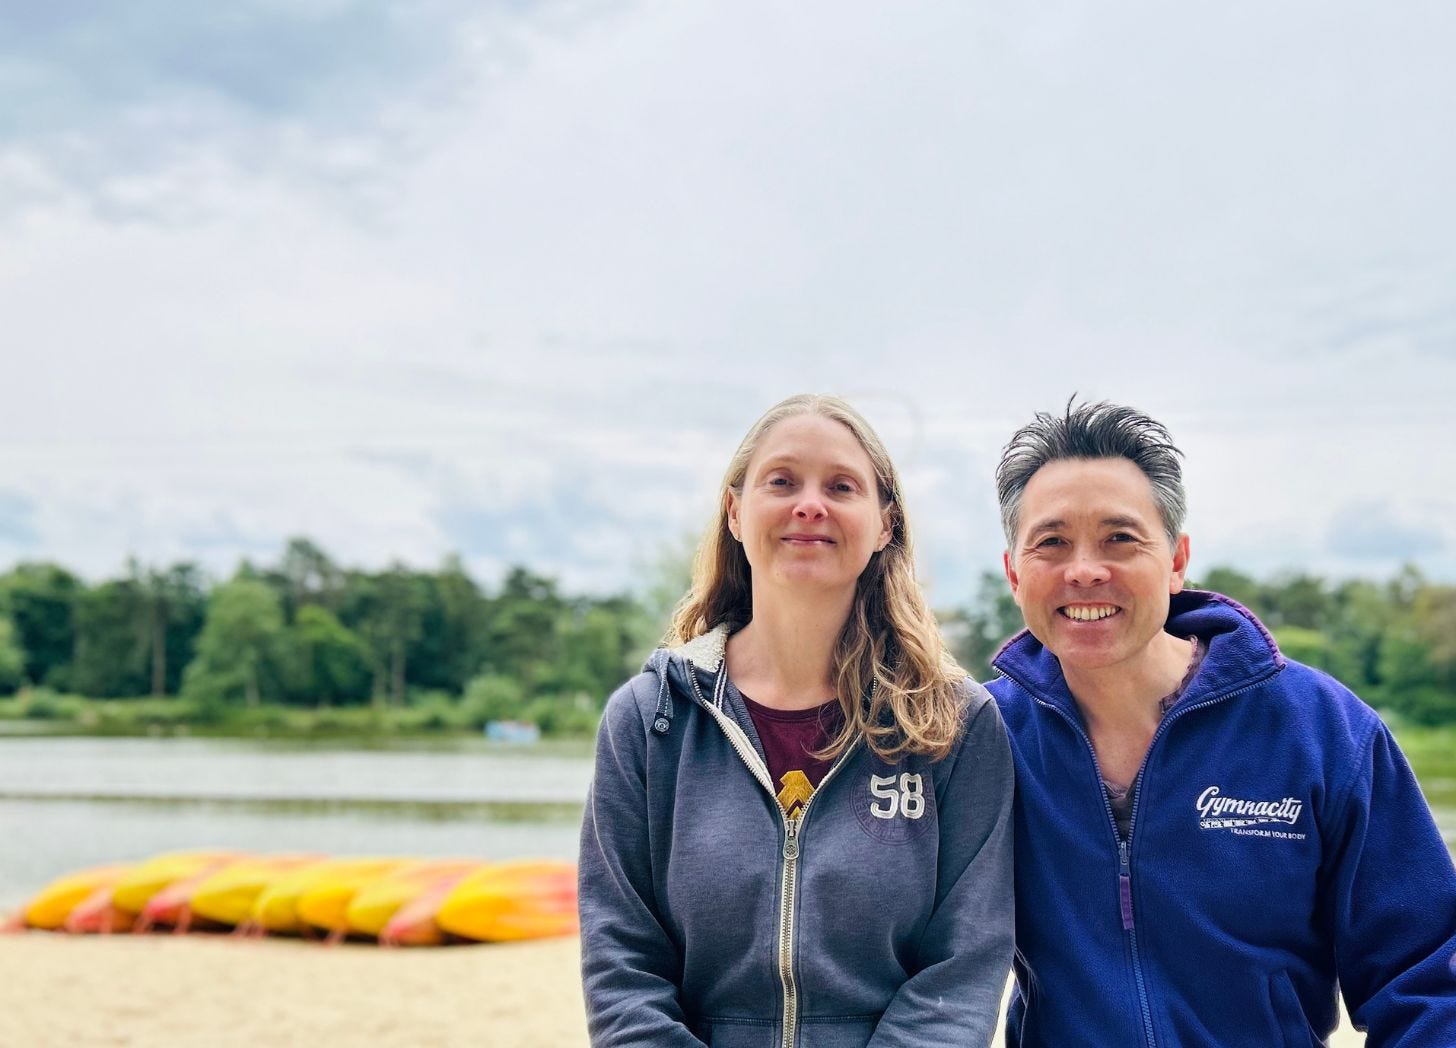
[809, 514]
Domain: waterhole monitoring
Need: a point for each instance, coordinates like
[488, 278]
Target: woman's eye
[778, 482]
[844, 487]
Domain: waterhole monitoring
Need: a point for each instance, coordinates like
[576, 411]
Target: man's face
[1091, 569]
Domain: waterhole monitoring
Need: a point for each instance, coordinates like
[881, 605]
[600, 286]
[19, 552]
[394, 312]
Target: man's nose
[1086, 569]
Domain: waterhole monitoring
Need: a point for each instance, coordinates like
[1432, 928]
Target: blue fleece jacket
[881, 916]
[1279, 845]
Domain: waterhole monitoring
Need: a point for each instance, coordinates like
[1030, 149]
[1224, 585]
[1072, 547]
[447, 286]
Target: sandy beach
[219, 992]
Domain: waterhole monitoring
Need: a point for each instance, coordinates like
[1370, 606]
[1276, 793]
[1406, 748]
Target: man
[1209, 837]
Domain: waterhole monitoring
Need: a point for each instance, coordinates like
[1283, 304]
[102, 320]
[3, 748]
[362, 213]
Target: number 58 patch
[896, 806]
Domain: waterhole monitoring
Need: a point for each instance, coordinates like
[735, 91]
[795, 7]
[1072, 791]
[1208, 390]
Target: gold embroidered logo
[796, 791]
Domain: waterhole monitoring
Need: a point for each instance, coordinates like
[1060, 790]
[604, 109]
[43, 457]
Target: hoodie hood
[673, 667]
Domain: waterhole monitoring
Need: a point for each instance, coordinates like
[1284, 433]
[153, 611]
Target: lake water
[68, 803]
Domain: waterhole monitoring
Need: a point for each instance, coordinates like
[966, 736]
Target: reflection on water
[461, 770]
[70, 803]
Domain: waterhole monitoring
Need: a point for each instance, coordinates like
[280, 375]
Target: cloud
[130, 107]
[1371, 532]
[517, 278]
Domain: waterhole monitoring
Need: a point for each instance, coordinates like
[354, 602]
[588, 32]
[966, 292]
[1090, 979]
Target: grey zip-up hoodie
[881, 915]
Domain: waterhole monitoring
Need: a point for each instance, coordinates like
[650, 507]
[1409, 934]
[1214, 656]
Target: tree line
[307, 632]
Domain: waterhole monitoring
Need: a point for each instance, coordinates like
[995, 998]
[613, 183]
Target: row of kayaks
[398, 902]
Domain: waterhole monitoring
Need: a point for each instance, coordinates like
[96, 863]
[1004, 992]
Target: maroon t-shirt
[789, 739]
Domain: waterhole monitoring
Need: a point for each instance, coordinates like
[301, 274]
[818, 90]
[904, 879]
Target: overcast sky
[512, 279]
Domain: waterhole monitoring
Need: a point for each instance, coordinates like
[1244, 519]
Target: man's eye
[1121, 536]
[1050, 540]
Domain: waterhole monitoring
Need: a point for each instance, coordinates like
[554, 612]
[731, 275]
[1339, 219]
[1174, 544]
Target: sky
[511, 280]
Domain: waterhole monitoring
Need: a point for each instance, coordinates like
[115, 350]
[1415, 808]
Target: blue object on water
[512, 731]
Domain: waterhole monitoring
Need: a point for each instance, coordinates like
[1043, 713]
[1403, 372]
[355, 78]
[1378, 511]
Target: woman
[805, 677]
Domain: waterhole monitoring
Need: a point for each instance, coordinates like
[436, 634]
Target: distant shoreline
[74, 715]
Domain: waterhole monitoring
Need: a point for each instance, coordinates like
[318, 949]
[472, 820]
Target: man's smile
[1088, 612]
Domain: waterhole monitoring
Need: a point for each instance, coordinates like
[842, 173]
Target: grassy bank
[1432, 753]
[428, 715]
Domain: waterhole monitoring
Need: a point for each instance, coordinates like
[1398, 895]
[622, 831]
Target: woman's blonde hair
[894, 678]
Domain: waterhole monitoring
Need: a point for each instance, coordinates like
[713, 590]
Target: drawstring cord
[662, 719]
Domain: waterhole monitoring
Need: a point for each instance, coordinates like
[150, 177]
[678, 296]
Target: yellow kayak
[50, 907]
[530, 899]
[228, 895]
[323, 901]
[277, 906]
[374, 904]
[135, 890]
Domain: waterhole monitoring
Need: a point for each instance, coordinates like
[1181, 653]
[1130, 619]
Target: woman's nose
[810, 507]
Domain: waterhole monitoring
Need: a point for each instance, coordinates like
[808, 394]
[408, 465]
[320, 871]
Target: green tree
[1310, 647]
[598, 642]
[446, 652]
[12, 658]
[1233, 583]
[976, 632]
[387, 613]
[170, 607]
[111, 641]
[521, 636]
[665, 581]
[41, 598]
[239, 652]
[1362, 616]
[327, 662]
[1418, 657]
[491, 696]
[307, 575]
[1296, 600]
[462, 610]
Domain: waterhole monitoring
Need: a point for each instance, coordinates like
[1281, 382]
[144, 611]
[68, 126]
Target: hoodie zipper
[792, 847]
[1124, 860]
[1124, 847]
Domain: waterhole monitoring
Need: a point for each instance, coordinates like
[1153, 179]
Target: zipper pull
[791, 840]
[1124, 885]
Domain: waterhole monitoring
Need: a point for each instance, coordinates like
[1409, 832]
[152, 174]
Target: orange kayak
[530, 899]
[50, 907]
[98, 914]
[414, 923]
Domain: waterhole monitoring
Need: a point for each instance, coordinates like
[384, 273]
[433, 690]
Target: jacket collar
[673, 666]
[706, 651]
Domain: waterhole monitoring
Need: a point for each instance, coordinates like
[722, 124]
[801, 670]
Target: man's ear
[1180, 565]
[1010, 569]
